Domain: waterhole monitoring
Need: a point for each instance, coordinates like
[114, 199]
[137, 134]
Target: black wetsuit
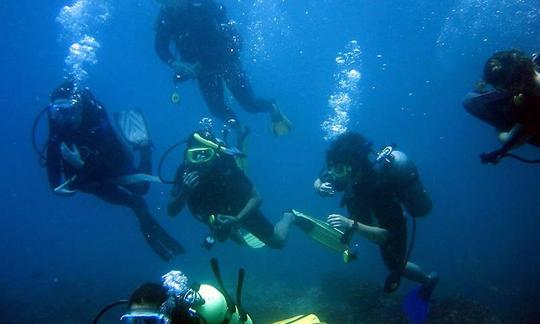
[104, 155]
[497, 108]
[383, 195]
[201, 32]
[105, 159]
[224, 190]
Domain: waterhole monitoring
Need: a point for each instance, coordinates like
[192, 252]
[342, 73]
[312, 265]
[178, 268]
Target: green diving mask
[200, 155]
[339, 171]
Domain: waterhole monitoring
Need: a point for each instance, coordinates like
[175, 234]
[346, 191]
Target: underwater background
[63, 259]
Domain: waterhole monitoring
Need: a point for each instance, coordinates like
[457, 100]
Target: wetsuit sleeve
[244, 184]
[178, 197]
[54, 167]
[238, 179]
[178, 182]
[107, 140]
[164, 35]
[359, 210]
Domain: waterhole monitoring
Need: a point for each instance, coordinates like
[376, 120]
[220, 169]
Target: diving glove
[492, 157]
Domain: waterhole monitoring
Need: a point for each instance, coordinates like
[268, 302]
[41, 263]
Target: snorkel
[218, 146]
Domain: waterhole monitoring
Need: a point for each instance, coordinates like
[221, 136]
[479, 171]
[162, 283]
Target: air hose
[108, 307]
[162, 159]
[519, 158]
[40, 152]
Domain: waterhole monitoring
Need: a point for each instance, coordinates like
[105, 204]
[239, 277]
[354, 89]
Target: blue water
[64, 258]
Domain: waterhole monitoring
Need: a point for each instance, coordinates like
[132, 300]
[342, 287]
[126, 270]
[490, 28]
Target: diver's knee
[276, 244]
[139, 189]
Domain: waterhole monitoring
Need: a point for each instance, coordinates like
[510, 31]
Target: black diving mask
[65, 112]
[144, 318]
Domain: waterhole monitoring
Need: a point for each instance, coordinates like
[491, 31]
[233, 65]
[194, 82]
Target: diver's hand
[71, 155]
[339, 222]
[185, 71]
[191, 181]
[324, 188]
[64, 192]
[492, 157]
[63, 189]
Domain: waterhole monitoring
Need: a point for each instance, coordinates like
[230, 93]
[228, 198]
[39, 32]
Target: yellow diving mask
[200, 155]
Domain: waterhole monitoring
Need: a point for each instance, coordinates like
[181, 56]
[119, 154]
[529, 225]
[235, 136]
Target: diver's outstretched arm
[517, 136]
[374, 234]
[253, 203]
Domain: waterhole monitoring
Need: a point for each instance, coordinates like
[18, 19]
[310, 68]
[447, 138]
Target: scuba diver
[176, 301]
[84, 153]
[381, 191]
[513, 105]
[219, 194]
[208, 47]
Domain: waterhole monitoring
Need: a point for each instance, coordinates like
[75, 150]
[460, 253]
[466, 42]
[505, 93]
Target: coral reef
[345, 299]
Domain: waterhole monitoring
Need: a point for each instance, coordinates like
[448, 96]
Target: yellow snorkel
[238, 155]
[231, 151]
[206, 142]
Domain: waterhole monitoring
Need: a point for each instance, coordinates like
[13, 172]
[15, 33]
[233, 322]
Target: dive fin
[323, 233]
[301, 319]
[136, 178]
[158, 239]
[132, 126]
[416, 306]
[252, 241]
[281, 125]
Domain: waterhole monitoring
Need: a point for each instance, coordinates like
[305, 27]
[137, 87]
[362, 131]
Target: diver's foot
[427, 289]
[143, 145]
[281, 125]
[289, 216]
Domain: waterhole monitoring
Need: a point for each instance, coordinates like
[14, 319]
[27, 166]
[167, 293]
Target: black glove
[492, 157]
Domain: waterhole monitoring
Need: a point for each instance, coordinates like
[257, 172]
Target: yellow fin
[301, 319]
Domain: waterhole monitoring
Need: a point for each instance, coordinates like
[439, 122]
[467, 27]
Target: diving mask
[200, 155]
[62, 105]
[339, 171]
[65, 112]
[144, 318]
